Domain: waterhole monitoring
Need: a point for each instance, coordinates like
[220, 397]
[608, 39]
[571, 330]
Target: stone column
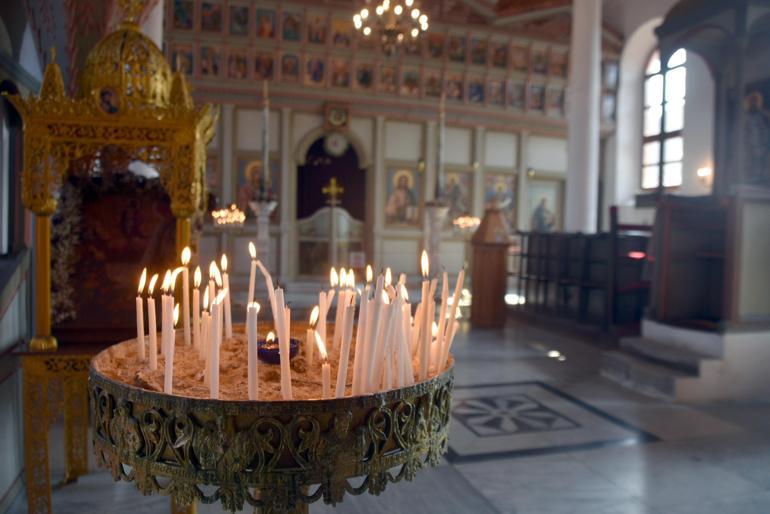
[583, 98]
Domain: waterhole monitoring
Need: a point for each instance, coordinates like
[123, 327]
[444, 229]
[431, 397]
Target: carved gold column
[43, 339]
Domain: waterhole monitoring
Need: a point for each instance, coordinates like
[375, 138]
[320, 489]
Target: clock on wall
[335, 144]
[336, 116]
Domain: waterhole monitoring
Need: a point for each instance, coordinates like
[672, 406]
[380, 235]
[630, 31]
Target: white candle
[372, 331]
[325, 369]
[451, 325]
[215, 280]
[340, 308]
[164, 312]
[251, 333]
[214, 351]
[408, 371]
[152, 325]
[342, 370]
[283, 345]
[270, 291]
[309, 339]
[168, 376]
[425, 338]
[441, 317]
[252, 272]
[358, 355]
[227, 311]
[186, 255]
[196, 309]
[140, 317]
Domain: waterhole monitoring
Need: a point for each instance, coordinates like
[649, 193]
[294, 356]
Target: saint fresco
[402, 206]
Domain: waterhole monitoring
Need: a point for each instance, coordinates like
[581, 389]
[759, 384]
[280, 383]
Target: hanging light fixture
[392, 21]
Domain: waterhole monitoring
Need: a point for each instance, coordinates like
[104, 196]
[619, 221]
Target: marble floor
[536, 430]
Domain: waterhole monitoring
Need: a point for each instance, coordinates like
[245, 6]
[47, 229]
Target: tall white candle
[340, 308]
[283, 345]
[215, 280]
[252, 272]
[168, 375]
[251, 333]
[325, 369]
[451, 324]
[152, 325]
[196, 309]
[358, 355]
[270, 290]
[425, 337]
[347, 334]
[372, 331]
[214, 351]
[186, 255]
[140, 317]
[441, 316]
[227, 310]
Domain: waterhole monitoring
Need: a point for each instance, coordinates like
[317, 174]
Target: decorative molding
[17, 73]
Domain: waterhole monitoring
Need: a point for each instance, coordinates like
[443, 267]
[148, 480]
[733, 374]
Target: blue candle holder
[267, 351]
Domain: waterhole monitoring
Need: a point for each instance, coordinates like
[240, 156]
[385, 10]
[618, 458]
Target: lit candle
[251, 332]
[140, 316]
[168, 376]
[309, 338]
[164, 310]
[252, 272]
[347, 334]
[196, 309]
[215, 280]
[213, 354]
[325, 369]
[227, 311]
[186, 254]
[205, 336]
[152, 325]
[425, 338]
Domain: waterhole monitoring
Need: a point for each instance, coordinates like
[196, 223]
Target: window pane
[678, 58]
[673, 149]
[650, 177]
[653, 90]
[653, 66]
[651, 153]
[674, 115]
[652, 120]
[672, 174]
[676, 83]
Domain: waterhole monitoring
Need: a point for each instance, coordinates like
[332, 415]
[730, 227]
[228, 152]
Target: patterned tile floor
[536, 430]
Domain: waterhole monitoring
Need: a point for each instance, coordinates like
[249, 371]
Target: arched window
[662, 143]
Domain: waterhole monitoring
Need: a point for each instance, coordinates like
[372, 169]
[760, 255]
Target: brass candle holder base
[277, 456]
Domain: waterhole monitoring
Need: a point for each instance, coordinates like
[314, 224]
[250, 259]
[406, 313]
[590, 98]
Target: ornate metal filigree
[277, 456]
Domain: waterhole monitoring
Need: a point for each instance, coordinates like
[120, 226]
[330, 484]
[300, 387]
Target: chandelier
[393, 21]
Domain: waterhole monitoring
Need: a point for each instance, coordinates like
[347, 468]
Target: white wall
[698, 132]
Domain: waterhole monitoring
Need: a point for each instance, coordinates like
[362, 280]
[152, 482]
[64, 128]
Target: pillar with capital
[583, 97]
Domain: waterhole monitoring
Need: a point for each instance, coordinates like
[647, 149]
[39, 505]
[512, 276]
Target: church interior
[438, 256]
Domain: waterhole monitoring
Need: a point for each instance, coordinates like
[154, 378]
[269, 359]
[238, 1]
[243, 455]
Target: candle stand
[277, 456]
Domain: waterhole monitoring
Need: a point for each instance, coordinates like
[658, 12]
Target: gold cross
[332, 191]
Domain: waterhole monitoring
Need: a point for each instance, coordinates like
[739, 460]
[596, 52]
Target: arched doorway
[331, 207]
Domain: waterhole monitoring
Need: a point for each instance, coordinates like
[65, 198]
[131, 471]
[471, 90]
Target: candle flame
[221, 296]
[176, 314]
[334, 279]
[388, 276]
[351, 279]
[270, 337]
[166, 281]
[197, 277]
[255, 305]
[175, 274]
[385, 298]
[425, 264]
[151, 287]
[343, 277]
[206, 298]
[252, 250]
[369, 274]
[186, 255]
[434, 329]
[321, 346]
[223, 261]
[314, 316]
[142, 280]
[404, 293]
[214, 273]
